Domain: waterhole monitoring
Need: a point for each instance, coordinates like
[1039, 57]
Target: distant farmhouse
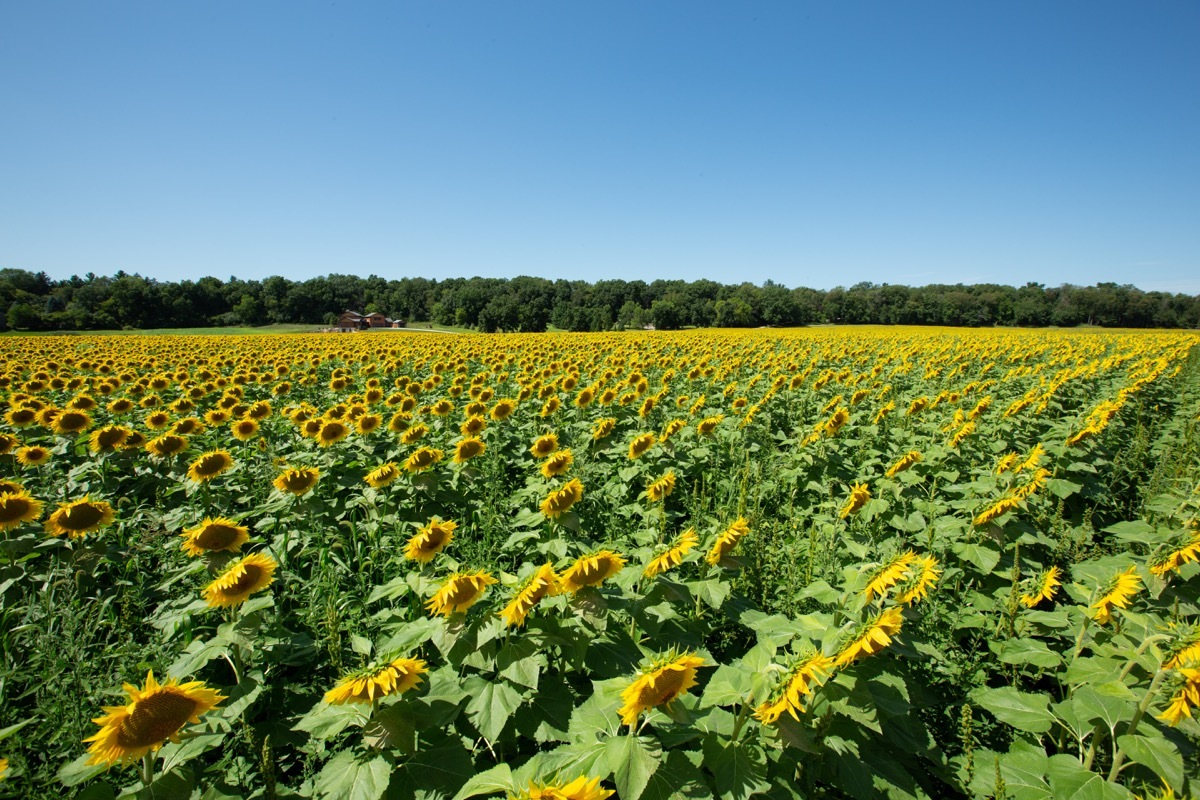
[350, 321]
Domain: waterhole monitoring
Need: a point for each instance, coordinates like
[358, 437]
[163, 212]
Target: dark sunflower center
[81, 517]
[13, 508]
[298, 481]
[246, 581]
[110, 437]
[210, 464]
[71, 421]
[155, 719]
[216, 537]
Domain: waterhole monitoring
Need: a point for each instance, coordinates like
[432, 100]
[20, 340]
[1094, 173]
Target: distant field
[231, 331]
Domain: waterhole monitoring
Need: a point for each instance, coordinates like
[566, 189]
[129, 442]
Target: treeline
[32, 301]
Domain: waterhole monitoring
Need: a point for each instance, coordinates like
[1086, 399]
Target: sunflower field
[822, 563]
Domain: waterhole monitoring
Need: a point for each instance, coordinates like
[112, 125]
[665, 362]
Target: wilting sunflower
[1117, 593]
[1007, 462]
[582, 788]
[215, 536]
[152, 717]
[79, 517]
[998, 509]
[557, 463]
[1185, 698]
[33, 455]
[331, 432]
[17, 507]
[244, 429]
[243, 578]
[544, 445]
[542, 584]
[468, 448]
[375, 682]
[559, 502]
[210, 465]
[460, 591]
[382, 475]
[660, 489]
[640, 444]
[887, 575]
[904, 462]
[1043, 588]
[167, 445]
[428, 541]
[659, 684]
[871, 637]
[789, 696]
[297, 480]
[591, 570]
[68, 422]
[727, 540]
[859, 495]
[422, 459]
[603, 428]
[672, 555]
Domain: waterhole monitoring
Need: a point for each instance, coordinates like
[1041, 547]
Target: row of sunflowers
[843, 563]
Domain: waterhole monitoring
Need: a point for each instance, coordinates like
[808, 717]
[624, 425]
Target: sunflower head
[214, 536]
[382, 475]
[430, 540]
[658, 684]
[375, 682]
[209, 465]
[660, 489]
[241, 579]
[17, 506]
[727, 540]
[153, 716]
[71, 421]
[331, 432]
[79, 517]
[422, 459]
[544, 445]
[108, 439]
[591, 570]
[468, 448]
[167, 445]
[557, 463]
[672, 555]
[33, 455]
[559, 502]
[244, 429]
[543, 583]
[297, 480]
[460, 591]
[640, 444]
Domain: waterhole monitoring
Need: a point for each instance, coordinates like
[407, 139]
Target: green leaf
[392, 728]
[78, 771]
[497, 779]
[1156, 754]
[677, 777]
[984, 558]
[1068, 778]
[325, 720]
[728, 685]
[740, 769]
[1023, 769]
[1029, 651]
[1094, 706]
[1062, 489]
[349, 776]
[491, 707]
[632, 762]
[1026, 712]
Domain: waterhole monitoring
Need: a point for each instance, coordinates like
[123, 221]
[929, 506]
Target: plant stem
[147, 769]
[1119, 756]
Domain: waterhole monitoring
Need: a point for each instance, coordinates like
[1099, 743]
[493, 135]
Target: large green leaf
[1026, 712]
[1157, 754]
[491, 706]
[739, 769]
[632, 760]
[492, 781]
[350, 776]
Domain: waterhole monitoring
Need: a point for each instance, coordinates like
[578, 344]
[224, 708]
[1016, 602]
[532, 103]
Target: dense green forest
[32, 301]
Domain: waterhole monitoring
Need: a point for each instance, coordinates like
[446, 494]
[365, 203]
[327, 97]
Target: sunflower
[108, 439]
[640, 444]
[422, 459]
[871, 637]
[17, 507]
[545, 445]
[10, 487]
[79, 517]
[904, 462]
[998, 509]
[672, 556]
[543, 583]
[468, 448]
[917, 584]
[331, 432]
[473, 426]
[460, 591]
[368, 423]
[68, 422]
[413, 433]
[661, 489]
[835, 423]
[242, 579]
[1184, 552]
[887, 575]
[167, 445]
[1184, 648]
[209, 465]
[7, 443]
[557, 463]
[244, 429]
[806, 674]
[215, 536]
[441, 408]
[603, 428]
[671, 428]
[559, 502]
[1117, 593]
[582, 788]
[309, 428]
[503, 409]
[375, 682]
[706, 426]
[727, 540]
[33, 455]
[1044, 587]
[659, 684]
[428, 541]
[1186, 697]
[216, 417]
[152, 717]
[1033, 460]
[21, 417]
[157, 420]
[297, 480]
[859, 495]
[591, 570]
[382, 475]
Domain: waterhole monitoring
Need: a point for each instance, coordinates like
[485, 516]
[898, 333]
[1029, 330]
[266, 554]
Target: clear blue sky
[813, 144]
